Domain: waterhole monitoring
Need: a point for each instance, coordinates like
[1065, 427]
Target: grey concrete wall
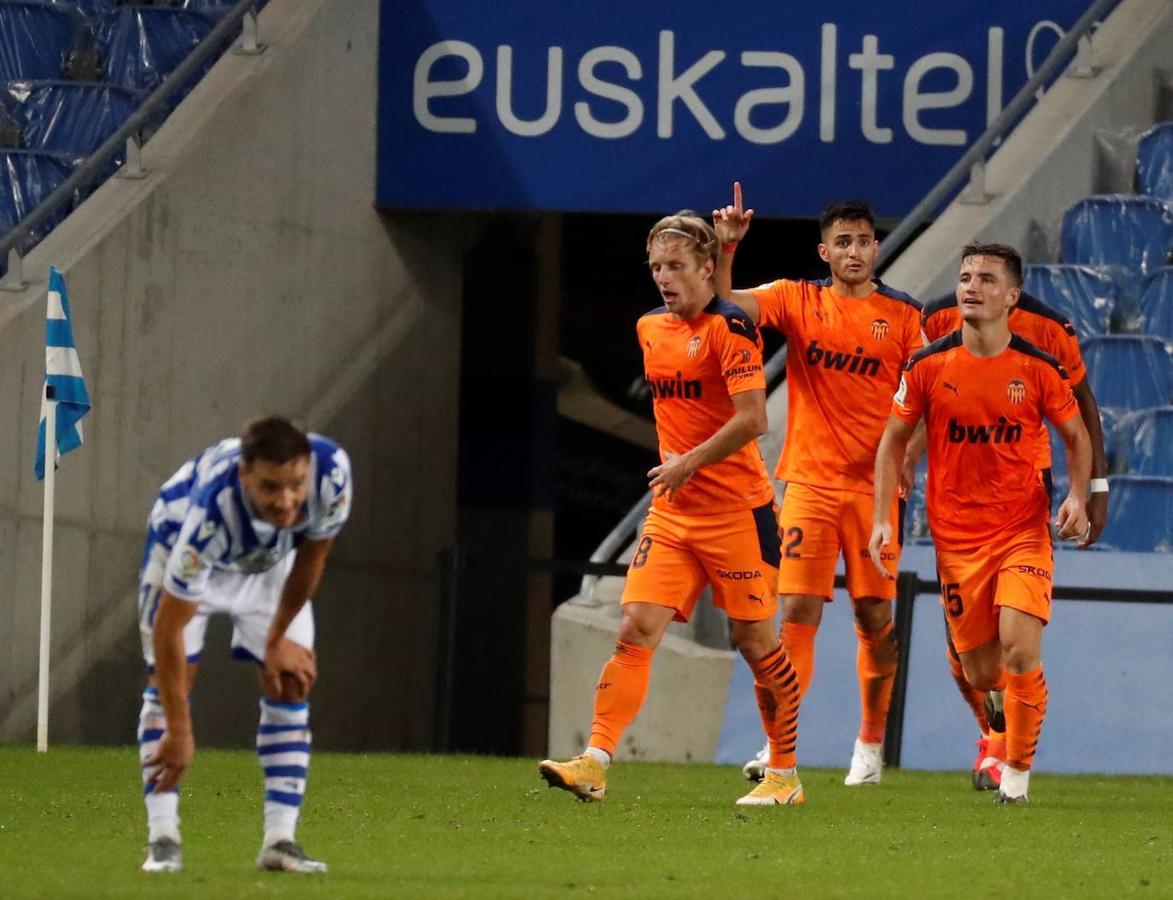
[248, 272]
[1053, 158]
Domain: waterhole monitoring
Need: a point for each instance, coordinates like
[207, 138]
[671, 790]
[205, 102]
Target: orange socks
[1025, 706]
[776, 684]
[799, 641]
[620, 693]
[876, 661]
[971, 695]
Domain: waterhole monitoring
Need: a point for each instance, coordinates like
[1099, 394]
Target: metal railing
[623, 532]
[128, 134]
[973, 163]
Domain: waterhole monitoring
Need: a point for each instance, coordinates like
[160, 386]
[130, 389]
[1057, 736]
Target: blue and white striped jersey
[202, 517]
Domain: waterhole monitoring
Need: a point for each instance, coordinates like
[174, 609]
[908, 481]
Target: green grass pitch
[71, 825]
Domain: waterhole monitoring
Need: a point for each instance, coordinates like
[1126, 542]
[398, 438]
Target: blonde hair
[689, 227]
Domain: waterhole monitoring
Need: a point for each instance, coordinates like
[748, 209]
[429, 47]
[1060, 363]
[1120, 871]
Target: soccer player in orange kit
[1048, 330]
[712, 515]
[849, 337]
[984, 393]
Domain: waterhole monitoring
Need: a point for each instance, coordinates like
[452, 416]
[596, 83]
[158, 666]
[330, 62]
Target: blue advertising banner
[626, 107]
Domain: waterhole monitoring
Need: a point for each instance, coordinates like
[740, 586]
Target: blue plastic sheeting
[1118, 230]
[1086, 297]
[1129, 371]
[1154, 162]
[1156, 304]
[1140, 514]
[1143, 442]
[35, 38]
[26, 178]
[142, 45]
[90, 10]
[69, 118]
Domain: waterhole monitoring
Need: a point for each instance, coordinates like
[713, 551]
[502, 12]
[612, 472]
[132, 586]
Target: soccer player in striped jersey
[849, 336]
[244, 529]
[1048, 330]
[712, 516]
[984, 394]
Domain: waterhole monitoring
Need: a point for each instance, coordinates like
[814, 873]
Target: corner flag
[63, 374]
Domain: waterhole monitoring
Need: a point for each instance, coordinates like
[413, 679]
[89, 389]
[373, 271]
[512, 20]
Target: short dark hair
[274, 439]
[1009, 256]
[847, 211]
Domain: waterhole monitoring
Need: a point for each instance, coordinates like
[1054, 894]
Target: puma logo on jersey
[852, 363]
[951, 387]
[1003, 432]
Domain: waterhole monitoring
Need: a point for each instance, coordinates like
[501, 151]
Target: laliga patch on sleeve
[901, 392]
[189, 564]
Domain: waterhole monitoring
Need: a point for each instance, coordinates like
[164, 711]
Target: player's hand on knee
[290, 670]
[170, 761]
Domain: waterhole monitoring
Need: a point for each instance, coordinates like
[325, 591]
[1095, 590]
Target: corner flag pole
[46, 569]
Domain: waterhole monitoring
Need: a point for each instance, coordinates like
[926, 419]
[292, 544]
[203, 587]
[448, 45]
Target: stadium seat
[26, 178]
[1154, 162]
[70, 119]
[142, 45]
[35, 38]
[1140, 514]
[1129, 371]
[1143, 442]
[1156, 304]
[1086, 297]
[1118, 230]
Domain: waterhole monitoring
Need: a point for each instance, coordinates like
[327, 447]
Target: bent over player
[1050, 331]
[243, 528]
[712, 514]
[984, 394]
[849, 337]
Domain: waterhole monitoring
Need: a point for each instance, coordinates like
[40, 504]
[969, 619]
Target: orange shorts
[1015, 572]
[735, 552]
[817, 523]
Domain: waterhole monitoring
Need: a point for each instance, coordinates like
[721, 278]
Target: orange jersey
[844, 361]
[1030, 318]
[693, 369]
[984, 419]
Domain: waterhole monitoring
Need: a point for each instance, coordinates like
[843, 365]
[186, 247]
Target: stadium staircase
[234, 264]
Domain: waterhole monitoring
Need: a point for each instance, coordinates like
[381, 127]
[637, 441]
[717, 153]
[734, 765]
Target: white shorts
[250, 600]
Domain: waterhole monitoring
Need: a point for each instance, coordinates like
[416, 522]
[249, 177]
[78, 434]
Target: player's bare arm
[731, 225]
[1072, 520]
[889, 460]
[747, 422]
[177, 747]
[1097, 503]
[912, 455]
[283, 656]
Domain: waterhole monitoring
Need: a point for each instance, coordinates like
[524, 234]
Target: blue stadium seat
[1129, 371]
[92, 11]
[1143, 441]
[142, 45]
[26, 178]
[69, 118]
[35, 39]
[1086, 297]
[1154, 162]
[1118, 230]
[1140, 514]
[1156, 304]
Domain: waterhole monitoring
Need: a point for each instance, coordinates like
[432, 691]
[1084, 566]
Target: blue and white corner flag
[63, 373]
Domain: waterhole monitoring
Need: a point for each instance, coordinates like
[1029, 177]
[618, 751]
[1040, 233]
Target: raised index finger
[737, 197]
